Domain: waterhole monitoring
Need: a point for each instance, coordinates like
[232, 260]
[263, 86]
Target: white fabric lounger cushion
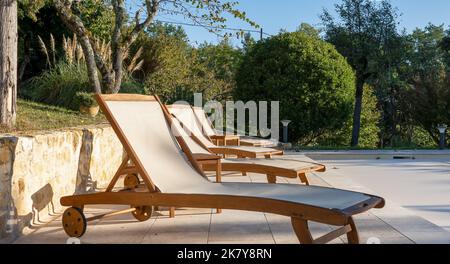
[258, 141]
[146, 130]
[206, 125]
[248, 149]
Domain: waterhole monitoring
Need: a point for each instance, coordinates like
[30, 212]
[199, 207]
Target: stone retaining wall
[35, 171]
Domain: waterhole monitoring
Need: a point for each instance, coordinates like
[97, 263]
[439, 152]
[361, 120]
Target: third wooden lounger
[187, 117]
[221, 139]
[173, 179]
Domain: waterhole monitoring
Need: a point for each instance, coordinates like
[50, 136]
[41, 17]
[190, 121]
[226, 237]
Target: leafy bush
[370, 130]
[59, 85]
[223, 59]
[173, 68]
[85, 99]
[313, 82]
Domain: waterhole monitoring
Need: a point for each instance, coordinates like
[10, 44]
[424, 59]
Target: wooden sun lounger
[175, 180]
[221, 139]
[186, 116]
[272, 168]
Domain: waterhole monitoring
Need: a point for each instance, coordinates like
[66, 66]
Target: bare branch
[152, 7]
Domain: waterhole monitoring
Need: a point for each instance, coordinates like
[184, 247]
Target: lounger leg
[303, 178]
[301, 229]
[219, 178]
[272, 179]
[219, 171]
[244, 173]
[303, 233]
[268, 156]
[172, 212]
[352, 236]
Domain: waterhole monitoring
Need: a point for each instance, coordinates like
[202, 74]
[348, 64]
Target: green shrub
[180, 75]
[59, 85]
[422, 139]
[85, 99]
[313, 82]
[370, 130]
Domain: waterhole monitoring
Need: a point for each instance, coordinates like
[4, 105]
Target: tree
[444, 45]
[223, 60]
[309, 30]
[361, 34]
[75, 24]
[174, 69]
[8, 62]
[370, 131]
[310, 79]
[428, 79]
[206, 13]
[37, 19]
[29, 8]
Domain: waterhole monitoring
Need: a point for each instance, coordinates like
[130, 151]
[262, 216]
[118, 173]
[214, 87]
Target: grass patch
[32, 116]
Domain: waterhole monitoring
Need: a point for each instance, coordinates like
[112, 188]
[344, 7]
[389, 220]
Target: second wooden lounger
[173, 179]
[283, 167]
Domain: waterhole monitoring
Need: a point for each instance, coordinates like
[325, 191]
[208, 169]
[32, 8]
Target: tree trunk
[26, 57]
[8, 62]
[75, 24]
[116, 44]
[90, 63]
[118, 69]
[357, 112]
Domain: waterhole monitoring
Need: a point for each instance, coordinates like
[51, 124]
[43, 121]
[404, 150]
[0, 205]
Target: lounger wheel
[74, 222]
[142, 213]
[131, 181]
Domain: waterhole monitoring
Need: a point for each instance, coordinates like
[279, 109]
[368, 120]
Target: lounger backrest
[204, 121]
[186, 116]
[145, 129]
[192, 145]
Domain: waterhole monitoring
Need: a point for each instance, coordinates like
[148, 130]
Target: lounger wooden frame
[299, 213]
[271, 172]
[226, 140]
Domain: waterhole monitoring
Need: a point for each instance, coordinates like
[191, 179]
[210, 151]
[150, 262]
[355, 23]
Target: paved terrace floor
[391, 225]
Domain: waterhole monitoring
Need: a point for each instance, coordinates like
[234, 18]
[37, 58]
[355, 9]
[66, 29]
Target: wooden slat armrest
[206, 157]
[227, 137]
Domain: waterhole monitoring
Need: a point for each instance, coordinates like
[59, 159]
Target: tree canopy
[312, 81]
[126, 29]
[365, 32]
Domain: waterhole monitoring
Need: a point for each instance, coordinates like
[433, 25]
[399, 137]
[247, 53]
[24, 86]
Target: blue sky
[274, 15]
